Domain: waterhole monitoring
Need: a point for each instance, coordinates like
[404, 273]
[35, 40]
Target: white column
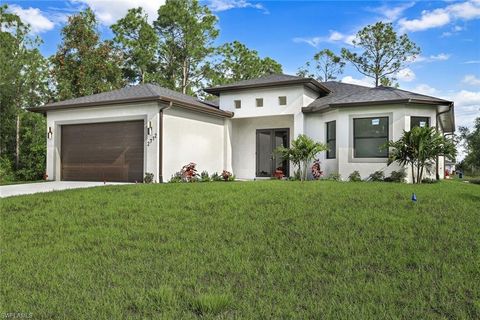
[298, 124]
[227, 149]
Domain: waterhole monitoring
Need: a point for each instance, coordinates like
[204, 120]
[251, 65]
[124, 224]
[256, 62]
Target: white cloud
[365, 81]
[425, 89]
[405, 75]
[472, 62]
[34, 17]
[333, 37]
[108, 12]
[392, 13]
[429, 19]
[431, 58]
[467, 10]
[440, 57]
[471, 79]
[313, 41]
[223, 5]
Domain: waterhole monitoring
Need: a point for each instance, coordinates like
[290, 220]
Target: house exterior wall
[193, 137]
[244, 141]
[345, 163]
[125, 112]
[271, 106]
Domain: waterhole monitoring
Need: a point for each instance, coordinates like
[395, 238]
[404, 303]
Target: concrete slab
[30, 188]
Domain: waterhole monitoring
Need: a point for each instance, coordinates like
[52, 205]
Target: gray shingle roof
[344, 94]
[143, 92]
[268, 80]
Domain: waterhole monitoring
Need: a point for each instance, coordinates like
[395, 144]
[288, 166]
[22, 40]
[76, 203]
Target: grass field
[264, 250]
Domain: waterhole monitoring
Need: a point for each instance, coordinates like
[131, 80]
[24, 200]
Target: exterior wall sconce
[149, 128]
[50, 133]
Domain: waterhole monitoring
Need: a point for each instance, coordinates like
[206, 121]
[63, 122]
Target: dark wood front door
[111, 151]
[267, 160]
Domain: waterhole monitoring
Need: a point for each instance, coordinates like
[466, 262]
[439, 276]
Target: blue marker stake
[414, 197]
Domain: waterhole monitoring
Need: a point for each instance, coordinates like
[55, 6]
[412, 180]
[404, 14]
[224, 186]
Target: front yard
[266, 250]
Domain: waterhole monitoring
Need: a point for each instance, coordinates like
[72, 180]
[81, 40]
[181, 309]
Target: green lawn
[266, 250]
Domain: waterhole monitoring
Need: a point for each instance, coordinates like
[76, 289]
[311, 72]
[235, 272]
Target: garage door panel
[103, 151]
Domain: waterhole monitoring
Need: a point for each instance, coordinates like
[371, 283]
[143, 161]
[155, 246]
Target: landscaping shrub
[216, 177]
[335, 176]
[204, 177]
[278, 174]
[355, 176]
[475, 181]
[177, 177]
[227, 176]
[316, 171]
[6, 170]
[429, 180]
[377, 176]
[189, 172]
[397, 176]
[148, 177]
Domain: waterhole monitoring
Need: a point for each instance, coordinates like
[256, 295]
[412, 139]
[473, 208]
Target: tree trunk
[419, 180]
[305, 165]
[413, 174]
[184, 78]
[17, 143]
[421, 171]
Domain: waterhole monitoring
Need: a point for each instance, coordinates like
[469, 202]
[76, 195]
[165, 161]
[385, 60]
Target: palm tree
[419, 148]
[301, 153]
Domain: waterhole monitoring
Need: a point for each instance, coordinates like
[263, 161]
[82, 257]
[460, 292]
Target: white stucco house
[123, 134]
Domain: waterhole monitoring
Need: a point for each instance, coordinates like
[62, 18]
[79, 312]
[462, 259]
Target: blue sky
[448, 32]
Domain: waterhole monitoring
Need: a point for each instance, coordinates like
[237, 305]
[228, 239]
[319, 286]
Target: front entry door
[267, 160]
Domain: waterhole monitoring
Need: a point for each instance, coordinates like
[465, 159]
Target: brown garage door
[111, 151]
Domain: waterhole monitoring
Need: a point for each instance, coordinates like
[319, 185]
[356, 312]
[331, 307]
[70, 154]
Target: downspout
[437, 174]
[160, 143]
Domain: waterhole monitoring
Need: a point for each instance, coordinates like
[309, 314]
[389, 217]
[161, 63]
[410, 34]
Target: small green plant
[211, 304]
[377, 176]
[334, 176]
[355, 176]
[148, 177]
[176, 178]
[216, 177]
[397, 176]
[204, 177]
[302, 151]
[429, 180]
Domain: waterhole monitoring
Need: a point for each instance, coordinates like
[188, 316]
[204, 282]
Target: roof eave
[325, 108]
[207, 109]
[313, 83]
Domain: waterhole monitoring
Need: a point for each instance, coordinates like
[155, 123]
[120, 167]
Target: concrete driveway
[29, 188]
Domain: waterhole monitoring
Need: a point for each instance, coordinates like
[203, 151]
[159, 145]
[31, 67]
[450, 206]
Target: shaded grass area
[265, 250]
